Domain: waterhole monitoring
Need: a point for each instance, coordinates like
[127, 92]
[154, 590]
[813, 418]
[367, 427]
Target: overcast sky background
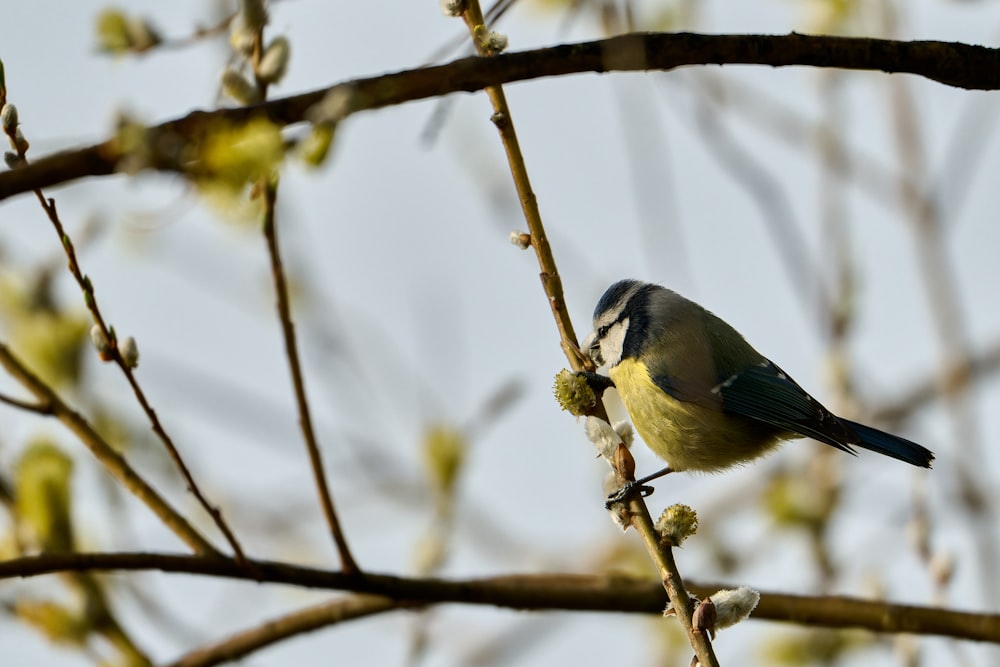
[413, 307]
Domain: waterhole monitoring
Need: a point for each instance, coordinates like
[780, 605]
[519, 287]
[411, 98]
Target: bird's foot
[623, 494]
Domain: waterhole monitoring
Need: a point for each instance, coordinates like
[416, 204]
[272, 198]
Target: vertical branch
[670, 576]
[49, 206]
[552, 285]
[551, 281]
[270, 194]
[940, 283]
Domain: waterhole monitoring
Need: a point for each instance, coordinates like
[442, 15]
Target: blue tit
[701, 397]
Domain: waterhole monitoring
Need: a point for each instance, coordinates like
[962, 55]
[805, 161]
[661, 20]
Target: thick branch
[950, 63]
[553, 591]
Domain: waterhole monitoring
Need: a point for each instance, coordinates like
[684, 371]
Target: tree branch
[270, 194]
[950, 63]
[298, 622]
[103, 452]
[535, 592]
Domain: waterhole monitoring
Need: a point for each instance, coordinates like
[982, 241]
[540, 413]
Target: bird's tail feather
[890, 445]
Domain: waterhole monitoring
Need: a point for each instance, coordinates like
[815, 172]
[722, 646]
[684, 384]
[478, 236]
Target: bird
[700, 396]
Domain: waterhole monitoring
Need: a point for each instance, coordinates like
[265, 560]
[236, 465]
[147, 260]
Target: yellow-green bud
[315, 147]
[237, 87]
[676, 524]
[573, 393]
[274, 62]
[444, 452]
[113, 31]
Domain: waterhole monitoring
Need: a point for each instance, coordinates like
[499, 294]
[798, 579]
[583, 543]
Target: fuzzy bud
[625, 432]
[237, 87]
[603, 436]
[496, 42]
[452, 7]
[489, 41]
[573, 393]
[130, 352]
[732, 606]
[315, 147]
[274, 62]
[676, 524]
[101, 343]
[8, 118]
[521, 240]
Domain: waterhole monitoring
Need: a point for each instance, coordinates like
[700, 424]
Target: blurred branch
[269, 194]
[114, 350]
[38, 408]
[768, 193]
[950, 63]
[536, 592]
[107, 334]
[246, 642]
[978, 366]
[104, 453]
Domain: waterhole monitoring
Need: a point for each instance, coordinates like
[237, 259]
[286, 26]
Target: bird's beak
[593, 348]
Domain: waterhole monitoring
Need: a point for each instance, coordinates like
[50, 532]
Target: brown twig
[290, 625]
[980, 366]
[298, 382]
[49, 206]
[950, 63]
[670, 579]
[104, 453]
[536, 592]
[38, 408]
[551, 282]
[552, 285]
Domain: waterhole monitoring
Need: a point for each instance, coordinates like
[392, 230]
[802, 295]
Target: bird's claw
[627, 490]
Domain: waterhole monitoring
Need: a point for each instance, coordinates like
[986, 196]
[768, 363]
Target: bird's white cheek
[613, 341]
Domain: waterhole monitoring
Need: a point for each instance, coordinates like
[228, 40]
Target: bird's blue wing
[765, 393]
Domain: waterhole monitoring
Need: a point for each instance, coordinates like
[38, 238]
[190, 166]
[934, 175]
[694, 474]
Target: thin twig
[39, 408]
[551, 282]
[313, 618]
[536, 592]
[49, 206]
[670, 578]
[104, 453]
[552, 285]
[270, 194]
[980, 365]
[940, 282]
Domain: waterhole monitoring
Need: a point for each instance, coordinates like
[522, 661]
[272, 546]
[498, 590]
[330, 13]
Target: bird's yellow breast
[688, 435]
